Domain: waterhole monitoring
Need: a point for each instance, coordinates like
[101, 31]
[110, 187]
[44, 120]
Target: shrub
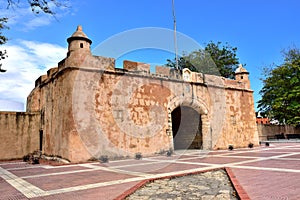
[93, 159]
[138, 156]
[103, 159]
[32, 158]
[35, 160]
[250, 145]
[26, 158]
[169, 152]
[267, 144]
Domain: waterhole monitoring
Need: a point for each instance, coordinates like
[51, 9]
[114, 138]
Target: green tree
[36, 6]
[281, 90]
[3, 40]
[215, 58]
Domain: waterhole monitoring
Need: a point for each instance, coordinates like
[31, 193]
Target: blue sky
[260, 29]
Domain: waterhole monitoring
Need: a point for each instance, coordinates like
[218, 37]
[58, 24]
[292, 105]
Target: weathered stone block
[136, 66]
[165, 71]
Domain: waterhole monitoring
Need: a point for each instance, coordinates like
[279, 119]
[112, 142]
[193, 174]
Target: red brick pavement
[9, 192]
[260, 173]
[217, 160]
[36, 171]
[269, 185]
[105, 193]
[257, 154]
[76, 179]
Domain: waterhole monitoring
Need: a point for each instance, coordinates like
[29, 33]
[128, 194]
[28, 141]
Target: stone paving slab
[286, 150]
[9, 192]
[40, 170]
[276, 163]
[256, 154]
[182, 157]
[173, 157]
[217, 160]
[269, 185]
[263, 172]
[124, 162]
[173, 167]
[292, 156]
[294, 147]
[15, 164]
[76, 179]
[105, 193]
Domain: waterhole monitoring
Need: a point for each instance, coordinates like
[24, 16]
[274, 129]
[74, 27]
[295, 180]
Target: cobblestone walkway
[207, 185]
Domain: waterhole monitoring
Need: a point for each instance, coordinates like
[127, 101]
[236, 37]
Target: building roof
[79, 35]
[241, 69]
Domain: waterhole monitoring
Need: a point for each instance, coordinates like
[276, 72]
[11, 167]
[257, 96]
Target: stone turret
[79, 41]
[79, 49]
[242, 76]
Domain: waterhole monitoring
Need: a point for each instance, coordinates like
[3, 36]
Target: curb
[132, 190]
[242, 194]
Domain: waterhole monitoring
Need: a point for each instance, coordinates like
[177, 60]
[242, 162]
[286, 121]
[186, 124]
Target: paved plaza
[260, 173]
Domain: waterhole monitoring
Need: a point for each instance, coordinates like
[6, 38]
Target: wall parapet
[104, 64]
[19, 134]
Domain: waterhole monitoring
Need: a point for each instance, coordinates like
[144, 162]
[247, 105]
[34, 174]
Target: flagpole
[175, 35]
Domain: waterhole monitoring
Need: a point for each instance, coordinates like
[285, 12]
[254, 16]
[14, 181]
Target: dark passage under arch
[187, 128]
[41, 140]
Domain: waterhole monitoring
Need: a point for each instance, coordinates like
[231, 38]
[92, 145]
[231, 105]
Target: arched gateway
[186, 128]
[189, 124]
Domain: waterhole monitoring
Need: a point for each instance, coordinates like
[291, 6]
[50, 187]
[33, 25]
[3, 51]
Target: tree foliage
[36, 6]
[3, 40]
[3, 22]
[215, 58]
[281, 90]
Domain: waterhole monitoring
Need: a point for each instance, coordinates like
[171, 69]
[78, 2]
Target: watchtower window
[242, 77]
[81, 45]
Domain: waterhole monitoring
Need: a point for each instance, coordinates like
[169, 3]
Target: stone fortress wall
[19, 133]
[88, 108]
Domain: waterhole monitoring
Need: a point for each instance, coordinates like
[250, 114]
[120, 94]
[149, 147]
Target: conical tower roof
[79, 35]
[241, 70]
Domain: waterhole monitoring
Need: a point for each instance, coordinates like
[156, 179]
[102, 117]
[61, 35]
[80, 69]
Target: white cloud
[26, 61]
[21, 16]
[8, 105]
[38, 21]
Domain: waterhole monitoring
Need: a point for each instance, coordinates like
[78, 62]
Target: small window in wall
[242, 77]
[81, 45]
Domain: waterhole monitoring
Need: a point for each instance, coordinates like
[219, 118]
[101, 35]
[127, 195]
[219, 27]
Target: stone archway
[201, 108]
[187, 128]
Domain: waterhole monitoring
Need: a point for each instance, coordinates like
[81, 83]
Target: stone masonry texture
[87, 108]
[208, 185]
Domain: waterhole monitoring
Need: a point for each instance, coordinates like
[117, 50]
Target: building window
[242, 77]
[81, 45]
